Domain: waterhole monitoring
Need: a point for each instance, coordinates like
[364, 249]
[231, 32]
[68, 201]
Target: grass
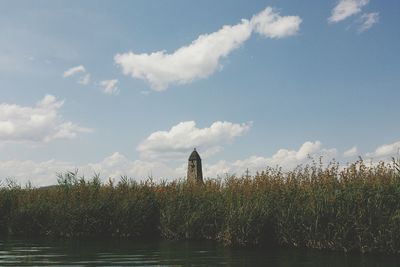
[351, 209]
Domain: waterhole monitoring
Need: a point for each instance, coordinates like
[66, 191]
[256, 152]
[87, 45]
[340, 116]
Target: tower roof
[194, 155]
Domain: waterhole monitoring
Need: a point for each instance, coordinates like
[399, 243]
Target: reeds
[351, 209]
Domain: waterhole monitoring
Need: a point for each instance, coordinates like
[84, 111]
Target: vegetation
[351, 209]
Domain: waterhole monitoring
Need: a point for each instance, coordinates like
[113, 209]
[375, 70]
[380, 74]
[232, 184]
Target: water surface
[167, 253]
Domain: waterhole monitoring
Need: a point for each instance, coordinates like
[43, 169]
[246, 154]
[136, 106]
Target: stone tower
[194, 172]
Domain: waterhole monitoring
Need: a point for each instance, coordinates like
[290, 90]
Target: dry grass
[355, 209]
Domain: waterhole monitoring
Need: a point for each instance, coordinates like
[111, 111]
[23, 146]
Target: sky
[131, 87]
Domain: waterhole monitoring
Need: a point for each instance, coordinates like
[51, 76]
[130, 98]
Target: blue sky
[130, 87]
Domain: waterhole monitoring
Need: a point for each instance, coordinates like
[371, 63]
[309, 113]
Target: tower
[194, 172]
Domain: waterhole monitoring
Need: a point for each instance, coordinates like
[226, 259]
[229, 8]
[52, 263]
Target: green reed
[351, 209]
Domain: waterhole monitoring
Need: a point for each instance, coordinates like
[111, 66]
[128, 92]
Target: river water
[168, 253]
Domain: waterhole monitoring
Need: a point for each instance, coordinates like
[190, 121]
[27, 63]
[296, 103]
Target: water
[167, 253]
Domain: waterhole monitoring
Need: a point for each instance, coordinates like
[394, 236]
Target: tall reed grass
[351, 209]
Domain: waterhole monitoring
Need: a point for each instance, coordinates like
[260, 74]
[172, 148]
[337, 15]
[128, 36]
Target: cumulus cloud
[74, 70]
[184, 136]
[195, 61]
[117, 164]
[202, 57]
[287, 159]
[270, 24]
[368, 20]
[345, 9]
[350, 152]
[387, 150]
[40, 123]
[114, 166]
[110, 87]
[38, 173]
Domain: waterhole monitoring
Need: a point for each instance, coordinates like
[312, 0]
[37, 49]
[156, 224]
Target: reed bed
[351, 209]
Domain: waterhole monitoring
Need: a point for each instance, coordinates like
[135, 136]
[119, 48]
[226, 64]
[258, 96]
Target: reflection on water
[167, 253]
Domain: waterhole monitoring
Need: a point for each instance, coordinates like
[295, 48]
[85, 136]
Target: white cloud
[195, 61]
[270, 24]
[80, 71]
[284, 158]
[184, 136]
[350, 152]
[45, 173]
[288, 156]
[116, 165]
[202, 57]
[345, 9]
[110, 87]
[75, 70]
[41, 123]
[368, 20]
[39, 173]
[387, 150]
